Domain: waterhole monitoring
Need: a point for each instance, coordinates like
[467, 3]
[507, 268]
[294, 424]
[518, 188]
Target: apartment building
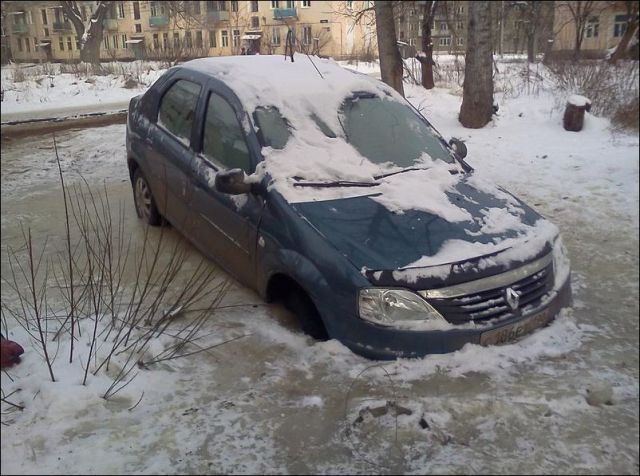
[40, 31]
[449, 26]
[606, 24]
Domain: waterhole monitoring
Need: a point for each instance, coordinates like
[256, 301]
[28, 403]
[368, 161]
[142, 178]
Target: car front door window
[177, 109]
[224, 141]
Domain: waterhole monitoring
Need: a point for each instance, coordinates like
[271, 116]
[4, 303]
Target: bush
[609, 87]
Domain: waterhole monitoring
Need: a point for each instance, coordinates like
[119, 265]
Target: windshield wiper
[452, 171]
[337, 183]
[408, 169]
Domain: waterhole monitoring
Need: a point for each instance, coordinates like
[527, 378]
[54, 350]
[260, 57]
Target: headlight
[561, 263]
[396, 307]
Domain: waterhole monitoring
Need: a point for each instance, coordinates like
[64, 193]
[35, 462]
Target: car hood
[376, 239]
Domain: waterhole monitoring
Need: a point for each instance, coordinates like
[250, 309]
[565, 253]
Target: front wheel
[145, 204]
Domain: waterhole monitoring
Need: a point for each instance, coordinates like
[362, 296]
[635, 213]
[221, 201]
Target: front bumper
[382, 343]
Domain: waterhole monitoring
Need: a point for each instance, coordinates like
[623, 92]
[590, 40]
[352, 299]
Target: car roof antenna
[289, 47]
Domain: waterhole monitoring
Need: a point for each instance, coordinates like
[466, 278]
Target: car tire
[143, 200]
[310, 321]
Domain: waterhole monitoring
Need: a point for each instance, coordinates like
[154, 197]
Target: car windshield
[387, 131]
[383, 130]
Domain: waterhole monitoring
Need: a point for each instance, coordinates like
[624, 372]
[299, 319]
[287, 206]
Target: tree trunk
[477, 97]
[531, 48]
[390, 59]
[426, 60]
[621, 49]
[90, 52]
[90, 34]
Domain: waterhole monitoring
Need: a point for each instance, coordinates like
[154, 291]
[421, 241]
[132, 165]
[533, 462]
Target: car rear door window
[178, 109]
[223, 139]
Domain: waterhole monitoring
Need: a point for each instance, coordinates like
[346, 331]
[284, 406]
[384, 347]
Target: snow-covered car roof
[308, 85]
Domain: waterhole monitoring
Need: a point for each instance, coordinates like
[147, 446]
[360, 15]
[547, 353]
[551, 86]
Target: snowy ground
[276, 402]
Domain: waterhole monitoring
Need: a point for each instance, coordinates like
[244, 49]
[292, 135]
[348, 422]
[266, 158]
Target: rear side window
[224, 141]
[178, 109]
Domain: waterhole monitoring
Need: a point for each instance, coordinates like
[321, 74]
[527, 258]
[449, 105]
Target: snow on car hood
[408, 222]
[418, 244]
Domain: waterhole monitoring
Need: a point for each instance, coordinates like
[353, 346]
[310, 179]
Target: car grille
[491, 304]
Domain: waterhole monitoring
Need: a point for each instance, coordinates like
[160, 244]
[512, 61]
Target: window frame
[165, 90]
[210, 89]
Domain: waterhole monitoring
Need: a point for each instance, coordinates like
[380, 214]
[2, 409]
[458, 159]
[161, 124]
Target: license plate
[514, 331]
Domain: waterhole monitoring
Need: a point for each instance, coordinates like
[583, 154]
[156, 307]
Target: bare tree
[390, 60]
[580, 12]
[426, 58]
[477, 98]
[320, 38]
[631, 29]
[88, 28]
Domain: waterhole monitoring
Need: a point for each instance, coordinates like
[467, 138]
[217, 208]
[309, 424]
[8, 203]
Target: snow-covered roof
[293, 88]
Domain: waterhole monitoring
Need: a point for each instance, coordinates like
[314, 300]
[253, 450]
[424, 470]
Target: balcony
[282, 13]
[61, 26]
[19, 28]
[217, 15]
[110, 24]
[157, 21]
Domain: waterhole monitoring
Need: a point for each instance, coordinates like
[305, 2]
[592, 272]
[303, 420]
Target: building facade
[606, 24]
[40, 31]
[449, 26]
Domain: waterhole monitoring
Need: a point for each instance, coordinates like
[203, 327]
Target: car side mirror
[232, 182]
[458, 147]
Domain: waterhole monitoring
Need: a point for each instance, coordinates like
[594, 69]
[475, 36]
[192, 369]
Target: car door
[170, 153]
[226, 226]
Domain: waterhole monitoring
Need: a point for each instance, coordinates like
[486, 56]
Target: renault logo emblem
[512, 297]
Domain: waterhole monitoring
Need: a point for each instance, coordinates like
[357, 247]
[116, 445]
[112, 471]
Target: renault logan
[325, 189]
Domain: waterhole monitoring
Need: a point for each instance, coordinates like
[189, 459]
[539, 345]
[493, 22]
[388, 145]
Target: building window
[275, 36]
[234, 5]
[255, 22]
[212, 39]
[306, 35]
[69, 43]
[199, 43]
[20, 45]
[254, 6]
[460, 25]
[153, 9]
[46, 32]
[459, 10]
[225, 38]
[460, 41]
[176, 40]
[444, 26]
[445, 41]
[29, 18]
[43, 12]
[291, 3]
[136, 11]
[27, 43]
[275, 4]
[306, 3]
[120, 9]
[620, 25]
[61, 43]
[138, 28]
[196, 8]
[187, 39]
[124, 41]
[593, 25]
[165, 41]
[412, 42]
[349, 4]
[236, 38]
[156, 41]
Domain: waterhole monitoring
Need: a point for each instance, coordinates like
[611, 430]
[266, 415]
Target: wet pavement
[277, 402]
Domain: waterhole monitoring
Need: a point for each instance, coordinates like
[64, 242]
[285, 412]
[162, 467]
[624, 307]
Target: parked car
[324, 188]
